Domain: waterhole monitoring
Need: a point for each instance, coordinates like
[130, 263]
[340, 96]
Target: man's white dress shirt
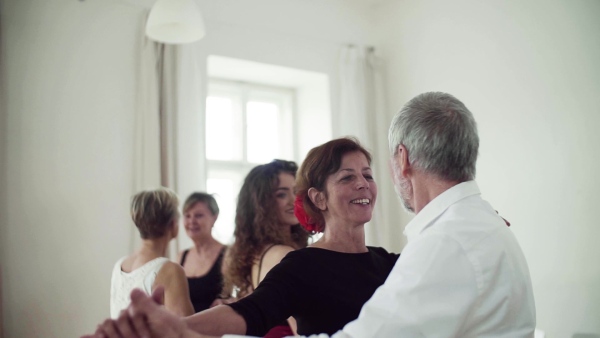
[462, 274]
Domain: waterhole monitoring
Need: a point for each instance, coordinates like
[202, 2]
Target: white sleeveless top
[122, 283]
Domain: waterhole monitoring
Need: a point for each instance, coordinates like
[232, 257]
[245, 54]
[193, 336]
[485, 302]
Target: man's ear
[318, 198]
[403, 161]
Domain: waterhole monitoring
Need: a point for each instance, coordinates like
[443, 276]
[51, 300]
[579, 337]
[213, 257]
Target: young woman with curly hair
[266, 229]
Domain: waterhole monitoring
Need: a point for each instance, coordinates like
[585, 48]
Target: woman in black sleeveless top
[205, 289]
[202, 263]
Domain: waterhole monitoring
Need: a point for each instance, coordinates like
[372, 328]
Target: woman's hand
[150, 319]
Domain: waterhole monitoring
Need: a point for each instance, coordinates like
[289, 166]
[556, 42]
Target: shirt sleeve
[271, 303]
[429, 292]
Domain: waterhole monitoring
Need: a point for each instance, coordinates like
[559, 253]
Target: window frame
[243, 92]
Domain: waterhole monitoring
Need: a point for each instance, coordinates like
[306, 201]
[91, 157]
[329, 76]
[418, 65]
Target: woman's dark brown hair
[321, 162]
[257, 224]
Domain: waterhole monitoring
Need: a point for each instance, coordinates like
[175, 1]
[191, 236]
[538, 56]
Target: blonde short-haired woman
[155, 214]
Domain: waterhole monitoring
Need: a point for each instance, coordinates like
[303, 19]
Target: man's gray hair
[440, 135]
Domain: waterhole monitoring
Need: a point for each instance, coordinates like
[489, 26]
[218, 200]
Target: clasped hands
[145, 317]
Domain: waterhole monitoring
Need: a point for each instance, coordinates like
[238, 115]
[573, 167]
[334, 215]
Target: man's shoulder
[469, 218]
[476, 231]
[461, 228]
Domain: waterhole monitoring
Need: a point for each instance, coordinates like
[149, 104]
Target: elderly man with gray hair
[462, 273]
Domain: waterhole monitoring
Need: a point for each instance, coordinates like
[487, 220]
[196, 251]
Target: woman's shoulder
[272, 255]
[289, 258]
[120, 261]
[314, 251]
[277, 250]
[182, 252]
[182, 255]
[381, 252]
[170, 269]
[310, 254]
[117, 270]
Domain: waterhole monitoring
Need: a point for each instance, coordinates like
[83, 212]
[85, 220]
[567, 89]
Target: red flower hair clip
[306, 221]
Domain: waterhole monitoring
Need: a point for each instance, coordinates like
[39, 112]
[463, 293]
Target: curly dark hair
[257, 224]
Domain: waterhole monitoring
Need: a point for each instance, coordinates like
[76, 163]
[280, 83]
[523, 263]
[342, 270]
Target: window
[246, 124]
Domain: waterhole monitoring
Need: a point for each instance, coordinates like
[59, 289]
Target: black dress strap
[260, 263]
[184, 256]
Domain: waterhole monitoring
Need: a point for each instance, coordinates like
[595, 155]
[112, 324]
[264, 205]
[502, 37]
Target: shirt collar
[438, 205]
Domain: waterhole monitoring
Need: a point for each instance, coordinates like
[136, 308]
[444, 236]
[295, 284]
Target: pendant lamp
[175, 22]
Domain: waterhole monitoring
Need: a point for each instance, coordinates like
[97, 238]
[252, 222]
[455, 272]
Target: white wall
[68, 84]
[530, 73]
[67, 71]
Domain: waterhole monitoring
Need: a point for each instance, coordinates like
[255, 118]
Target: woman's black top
[205, 289]
[322, 289]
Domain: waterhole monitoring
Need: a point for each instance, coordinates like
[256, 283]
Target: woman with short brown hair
[155, 214]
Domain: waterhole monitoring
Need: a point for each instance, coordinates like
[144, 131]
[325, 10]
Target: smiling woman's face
[285, 195]
[198, 220]
[351, 191]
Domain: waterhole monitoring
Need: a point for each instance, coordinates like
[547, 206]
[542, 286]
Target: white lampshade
[175, 21]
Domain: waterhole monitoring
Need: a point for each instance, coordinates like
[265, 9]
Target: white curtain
[362, 113]
[155, 146]
[146, 153]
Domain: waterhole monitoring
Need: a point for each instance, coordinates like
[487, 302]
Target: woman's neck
[343, 239]
[156, 247]
[205, 244]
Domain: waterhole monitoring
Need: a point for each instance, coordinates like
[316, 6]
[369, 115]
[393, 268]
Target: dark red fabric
[279, 331]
